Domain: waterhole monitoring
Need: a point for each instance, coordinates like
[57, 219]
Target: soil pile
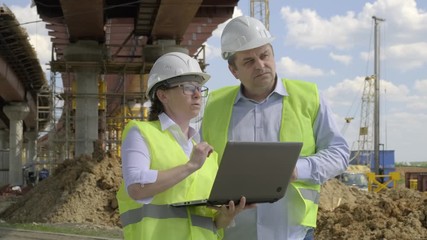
[83, 191]
[348, 213]
[79, 191]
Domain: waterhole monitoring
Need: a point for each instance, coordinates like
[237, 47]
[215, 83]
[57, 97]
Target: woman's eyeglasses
[190, 89]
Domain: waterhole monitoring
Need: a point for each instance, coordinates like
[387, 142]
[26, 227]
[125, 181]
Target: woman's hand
[198, 157]
[169, 177]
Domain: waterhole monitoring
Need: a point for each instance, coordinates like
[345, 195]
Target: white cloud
[365, 56]
[402, 121]
[29, 19]
[421, 86]
[43, 47]
[346, 97]
[345, 93]
[218, 31]
[290, 68]
[400, 16]
[404, 131]
[395, 93]
[349, 93]
[344, 59]
[211, 51]
[307, 29]
[408, 56]
[417, 103]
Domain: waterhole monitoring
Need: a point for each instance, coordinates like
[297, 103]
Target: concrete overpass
[21, 82]
[102, 52]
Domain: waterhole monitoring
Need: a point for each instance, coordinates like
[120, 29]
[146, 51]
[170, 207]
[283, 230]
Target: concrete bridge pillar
[86, 77]
[4, 138]
[16, 112]
[31, 136]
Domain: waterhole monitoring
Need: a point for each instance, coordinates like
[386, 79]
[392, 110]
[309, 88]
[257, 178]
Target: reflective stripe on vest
[163, 212]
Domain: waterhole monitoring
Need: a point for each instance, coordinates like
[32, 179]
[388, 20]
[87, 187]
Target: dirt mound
[348, 213]
[83, 191]
[79, 191]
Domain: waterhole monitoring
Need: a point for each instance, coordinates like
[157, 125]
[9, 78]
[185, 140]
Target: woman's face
[183, 101]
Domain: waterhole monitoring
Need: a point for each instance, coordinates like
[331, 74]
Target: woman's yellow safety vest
[158, 220]
[299, 112]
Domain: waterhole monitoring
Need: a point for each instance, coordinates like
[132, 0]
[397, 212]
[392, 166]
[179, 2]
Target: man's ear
[233, 71]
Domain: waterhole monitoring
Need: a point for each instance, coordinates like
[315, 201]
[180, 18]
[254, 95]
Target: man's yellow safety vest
[158, 220]
[299, 112]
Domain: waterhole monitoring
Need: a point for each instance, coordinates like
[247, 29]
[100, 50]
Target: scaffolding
[366, 133]
[56, 122]
[46, 122]
[116, 107]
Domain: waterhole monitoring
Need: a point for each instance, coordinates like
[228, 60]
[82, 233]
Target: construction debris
[82, 191]
[79, 191]
[349, 213]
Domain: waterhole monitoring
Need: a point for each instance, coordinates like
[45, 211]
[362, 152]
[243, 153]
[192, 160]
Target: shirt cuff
[149, 176]
[303, 169]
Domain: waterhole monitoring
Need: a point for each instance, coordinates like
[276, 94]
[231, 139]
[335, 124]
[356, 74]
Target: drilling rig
[367, 154]
[261, 11]
[369, 133]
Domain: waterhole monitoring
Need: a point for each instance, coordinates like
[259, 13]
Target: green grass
[66, 229]
[411, 164]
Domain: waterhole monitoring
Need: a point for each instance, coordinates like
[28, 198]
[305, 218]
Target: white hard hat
[243, 33]
[172, 65]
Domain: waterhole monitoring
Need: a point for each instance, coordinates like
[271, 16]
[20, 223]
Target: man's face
[256, 69]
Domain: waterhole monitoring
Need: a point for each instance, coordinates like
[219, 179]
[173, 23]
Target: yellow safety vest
[299, 112]
[158, 220]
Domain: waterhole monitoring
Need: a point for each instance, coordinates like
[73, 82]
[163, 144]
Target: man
[266, 108]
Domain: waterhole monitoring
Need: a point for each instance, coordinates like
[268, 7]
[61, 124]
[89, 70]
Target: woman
[162, 164]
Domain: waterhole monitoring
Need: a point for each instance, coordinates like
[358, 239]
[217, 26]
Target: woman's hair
[156, 106]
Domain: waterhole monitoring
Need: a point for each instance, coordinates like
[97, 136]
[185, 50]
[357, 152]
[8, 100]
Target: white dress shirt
[136, 156]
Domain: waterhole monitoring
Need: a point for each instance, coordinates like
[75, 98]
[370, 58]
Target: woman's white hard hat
[171, 65]
[243, 33]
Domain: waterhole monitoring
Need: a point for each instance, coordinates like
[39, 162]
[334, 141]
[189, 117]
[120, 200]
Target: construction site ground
[80, 194]
[22, 234]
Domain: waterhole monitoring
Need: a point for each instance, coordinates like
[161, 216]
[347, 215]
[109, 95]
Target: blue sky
[330, 43]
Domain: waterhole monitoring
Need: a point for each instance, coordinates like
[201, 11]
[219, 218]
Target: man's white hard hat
[243, 33]
[171, 65]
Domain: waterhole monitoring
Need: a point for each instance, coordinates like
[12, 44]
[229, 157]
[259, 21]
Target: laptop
[259, 171]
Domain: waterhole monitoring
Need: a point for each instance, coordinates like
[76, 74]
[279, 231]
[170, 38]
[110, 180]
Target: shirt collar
[167, 123]
[278, 89]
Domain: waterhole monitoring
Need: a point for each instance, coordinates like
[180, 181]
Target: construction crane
[261, 11]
